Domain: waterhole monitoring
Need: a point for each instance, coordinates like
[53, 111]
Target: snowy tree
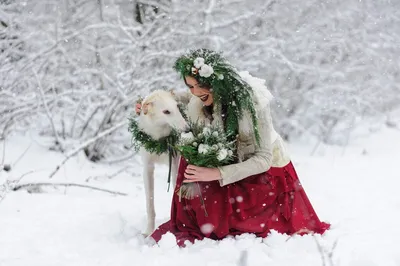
[74, 69]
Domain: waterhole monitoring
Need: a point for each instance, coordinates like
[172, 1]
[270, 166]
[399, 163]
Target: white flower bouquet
[204, 146]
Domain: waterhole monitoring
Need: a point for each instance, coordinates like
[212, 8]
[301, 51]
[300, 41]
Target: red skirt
[273, 200]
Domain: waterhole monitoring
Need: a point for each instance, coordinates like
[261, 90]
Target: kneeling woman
[258, 193]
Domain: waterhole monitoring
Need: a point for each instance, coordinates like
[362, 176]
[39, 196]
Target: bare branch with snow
[30, 185]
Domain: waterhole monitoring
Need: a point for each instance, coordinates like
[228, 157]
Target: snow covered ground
[356, 189]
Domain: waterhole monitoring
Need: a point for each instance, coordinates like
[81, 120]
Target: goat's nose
[187, 129]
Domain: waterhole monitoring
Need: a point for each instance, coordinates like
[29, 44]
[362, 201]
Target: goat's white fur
[157, 124]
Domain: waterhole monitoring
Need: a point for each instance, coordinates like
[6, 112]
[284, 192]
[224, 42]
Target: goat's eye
[166, 112]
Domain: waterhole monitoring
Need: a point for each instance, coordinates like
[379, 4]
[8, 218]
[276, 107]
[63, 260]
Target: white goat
[158, 117]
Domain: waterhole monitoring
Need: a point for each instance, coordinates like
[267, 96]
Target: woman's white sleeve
[262, 158]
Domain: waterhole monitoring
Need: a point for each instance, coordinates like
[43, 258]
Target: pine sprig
[142, 139]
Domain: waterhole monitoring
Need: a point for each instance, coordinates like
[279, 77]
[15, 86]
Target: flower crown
[203, 70]
[204, 65]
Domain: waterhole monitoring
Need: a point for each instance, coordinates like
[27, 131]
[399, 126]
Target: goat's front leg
[174, 170]
[148, 178]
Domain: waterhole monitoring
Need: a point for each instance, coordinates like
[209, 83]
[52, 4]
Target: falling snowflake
[207, 228]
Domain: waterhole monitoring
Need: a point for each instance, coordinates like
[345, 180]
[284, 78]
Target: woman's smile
[204, 98]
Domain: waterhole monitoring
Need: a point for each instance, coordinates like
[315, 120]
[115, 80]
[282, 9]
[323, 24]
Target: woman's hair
[200, 84]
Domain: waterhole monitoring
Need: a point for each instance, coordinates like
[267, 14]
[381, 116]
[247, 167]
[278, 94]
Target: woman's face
[199, 90]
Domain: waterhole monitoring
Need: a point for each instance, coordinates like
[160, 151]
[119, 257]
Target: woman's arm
[262, 158]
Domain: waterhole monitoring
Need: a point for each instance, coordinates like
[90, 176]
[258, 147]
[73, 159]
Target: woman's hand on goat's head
[138, 108]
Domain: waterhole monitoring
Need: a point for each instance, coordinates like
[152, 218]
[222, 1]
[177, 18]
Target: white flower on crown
[206, 71]
[198, 62]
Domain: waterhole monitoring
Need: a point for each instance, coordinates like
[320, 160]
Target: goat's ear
[146, 107]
